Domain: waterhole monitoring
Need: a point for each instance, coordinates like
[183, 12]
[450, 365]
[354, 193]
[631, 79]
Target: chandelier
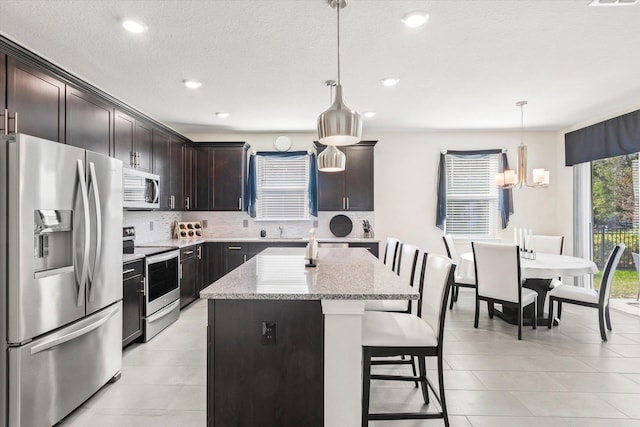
[518, 178]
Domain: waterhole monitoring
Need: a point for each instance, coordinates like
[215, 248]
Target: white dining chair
[459, 280]
[386, 334]
[391, 252]
[498, 280]
[545, 244]
[589, 297]
[636, 261]
[406, 269]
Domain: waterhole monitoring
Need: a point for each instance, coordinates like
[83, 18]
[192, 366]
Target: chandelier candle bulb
[538, 176]
[509, 177]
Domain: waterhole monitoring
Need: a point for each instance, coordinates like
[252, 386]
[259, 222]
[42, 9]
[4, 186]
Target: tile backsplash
[232, 224]
[153, 226]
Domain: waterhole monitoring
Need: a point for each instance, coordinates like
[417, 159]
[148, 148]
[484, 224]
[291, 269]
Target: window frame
[302, 188]
[486, 229]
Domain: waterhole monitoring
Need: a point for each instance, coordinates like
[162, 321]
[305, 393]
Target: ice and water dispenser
[53, 241]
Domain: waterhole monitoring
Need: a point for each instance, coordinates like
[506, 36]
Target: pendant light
[518, 178]
[339, 125]
[331, 159]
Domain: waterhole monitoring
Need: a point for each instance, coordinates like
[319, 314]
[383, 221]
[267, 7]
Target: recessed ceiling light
[390, 81]
[369, 114]
[192, 84]
[415, 18]
[134, 26]
[222, 114]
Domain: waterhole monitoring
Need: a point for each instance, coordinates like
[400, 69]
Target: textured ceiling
[265, 61]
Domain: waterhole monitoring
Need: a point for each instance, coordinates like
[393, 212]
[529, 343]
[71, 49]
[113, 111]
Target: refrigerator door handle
[85, 250]
[93, 186]
[76, 332]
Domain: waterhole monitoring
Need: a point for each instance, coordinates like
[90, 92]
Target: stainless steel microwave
[141, 190]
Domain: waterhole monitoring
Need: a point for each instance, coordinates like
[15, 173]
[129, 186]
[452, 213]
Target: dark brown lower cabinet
[191, 272]
[252, 381]
[132, 301]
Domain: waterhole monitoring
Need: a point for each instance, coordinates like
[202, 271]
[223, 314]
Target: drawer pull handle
[131, 270]
[234, 248]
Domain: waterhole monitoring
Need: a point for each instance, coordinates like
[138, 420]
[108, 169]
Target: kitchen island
[284, 340]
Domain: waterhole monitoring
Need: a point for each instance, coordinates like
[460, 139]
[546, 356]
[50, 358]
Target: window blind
[472, 197]
[282, 187]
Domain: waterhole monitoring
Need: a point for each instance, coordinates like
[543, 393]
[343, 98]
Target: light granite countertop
[280, 273]
[182, 243]
[131, 257]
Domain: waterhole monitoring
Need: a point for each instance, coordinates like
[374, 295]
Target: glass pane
[615, 184]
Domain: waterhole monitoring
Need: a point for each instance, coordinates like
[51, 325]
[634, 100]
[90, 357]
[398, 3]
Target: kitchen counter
[131, 257]
[288, 338]
[280, 273]
[181, 243]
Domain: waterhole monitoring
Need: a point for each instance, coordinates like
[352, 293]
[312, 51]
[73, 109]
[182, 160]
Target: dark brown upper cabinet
[161, 159]
[168, 162]
[203, 179]
[228, 185]
[218, 183]
[89, 122]
[189, 177]
[37, 98]
[176, 174]
[132, 141]
[3, 88]
[351, 189]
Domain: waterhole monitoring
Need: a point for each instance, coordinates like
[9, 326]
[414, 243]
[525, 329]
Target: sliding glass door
[615, 205]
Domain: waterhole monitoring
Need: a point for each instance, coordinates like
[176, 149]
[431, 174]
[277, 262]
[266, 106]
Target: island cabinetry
[132, 141]
[351, 189]
[37, 98]
[265, 363]
[132, 301]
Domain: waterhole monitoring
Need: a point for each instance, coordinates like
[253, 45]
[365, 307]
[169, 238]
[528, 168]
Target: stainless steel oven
[163, 280]
[161, 283]
[162, 291]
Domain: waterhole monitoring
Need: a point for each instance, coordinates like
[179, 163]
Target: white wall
[406, 168]
[405, 179]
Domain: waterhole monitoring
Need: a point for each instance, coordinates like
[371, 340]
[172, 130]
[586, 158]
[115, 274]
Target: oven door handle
[163, 257]
[163, 312]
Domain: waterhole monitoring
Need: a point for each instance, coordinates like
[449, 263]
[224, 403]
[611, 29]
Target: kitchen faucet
[281, 230]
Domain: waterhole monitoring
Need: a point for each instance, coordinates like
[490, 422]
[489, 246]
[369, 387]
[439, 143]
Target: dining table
[537, 274]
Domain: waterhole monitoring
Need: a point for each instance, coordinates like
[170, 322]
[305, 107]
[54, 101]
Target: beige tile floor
[560, 377]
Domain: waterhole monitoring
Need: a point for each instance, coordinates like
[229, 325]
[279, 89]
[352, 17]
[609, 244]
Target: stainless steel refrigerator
[60, 277]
